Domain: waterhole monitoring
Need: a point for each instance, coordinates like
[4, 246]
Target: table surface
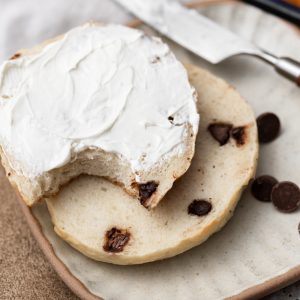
[24, 271]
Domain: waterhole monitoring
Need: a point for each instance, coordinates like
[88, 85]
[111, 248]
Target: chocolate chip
[286, 196]
[239, 134]
[15, 56]
[116, 240]
[171, 119]
[299, 228]
[220, 132]
[262, 187]
[268, 125]
[199, 207]
[146, 190]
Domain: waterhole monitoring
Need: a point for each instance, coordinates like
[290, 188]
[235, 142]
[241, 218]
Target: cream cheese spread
[108, 87]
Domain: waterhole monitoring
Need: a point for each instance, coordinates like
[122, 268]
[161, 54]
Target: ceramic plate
[258, 250]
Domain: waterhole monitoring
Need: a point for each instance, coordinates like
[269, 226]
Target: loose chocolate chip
[262, 187]
[146, 190]
[171, 119]
[199, 207]
[268, 125]
[116, 240]
[220, 132]
[286, 196]
[299, 228]
[239, 134]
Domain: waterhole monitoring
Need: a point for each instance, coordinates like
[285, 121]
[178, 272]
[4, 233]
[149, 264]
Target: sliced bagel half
[103, 222]
[97, 101]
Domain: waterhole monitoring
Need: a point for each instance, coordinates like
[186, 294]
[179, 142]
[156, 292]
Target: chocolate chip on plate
[220, 132]
[268, 125]
[262, 186]
[286, 196]
[116, 240]
[199, 207]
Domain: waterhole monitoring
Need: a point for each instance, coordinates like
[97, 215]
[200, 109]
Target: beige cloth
[25, 273]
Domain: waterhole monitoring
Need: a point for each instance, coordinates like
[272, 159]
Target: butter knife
[202, 36]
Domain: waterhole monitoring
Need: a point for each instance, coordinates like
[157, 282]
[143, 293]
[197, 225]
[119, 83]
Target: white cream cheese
[107, 87]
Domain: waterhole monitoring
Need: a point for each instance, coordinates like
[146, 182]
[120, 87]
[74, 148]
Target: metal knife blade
[189, 29]
[202, 36]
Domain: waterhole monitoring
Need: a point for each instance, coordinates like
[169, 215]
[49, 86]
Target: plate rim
[254, 292]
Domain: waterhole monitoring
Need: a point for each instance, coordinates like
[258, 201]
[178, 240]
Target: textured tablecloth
[24, 271]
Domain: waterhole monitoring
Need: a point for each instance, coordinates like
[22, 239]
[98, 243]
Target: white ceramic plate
[259, 250]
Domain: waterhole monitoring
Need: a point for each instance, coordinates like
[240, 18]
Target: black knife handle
[280, 8]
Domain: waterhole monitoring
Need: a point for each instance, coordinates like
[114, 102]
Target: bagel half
[104, 223]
